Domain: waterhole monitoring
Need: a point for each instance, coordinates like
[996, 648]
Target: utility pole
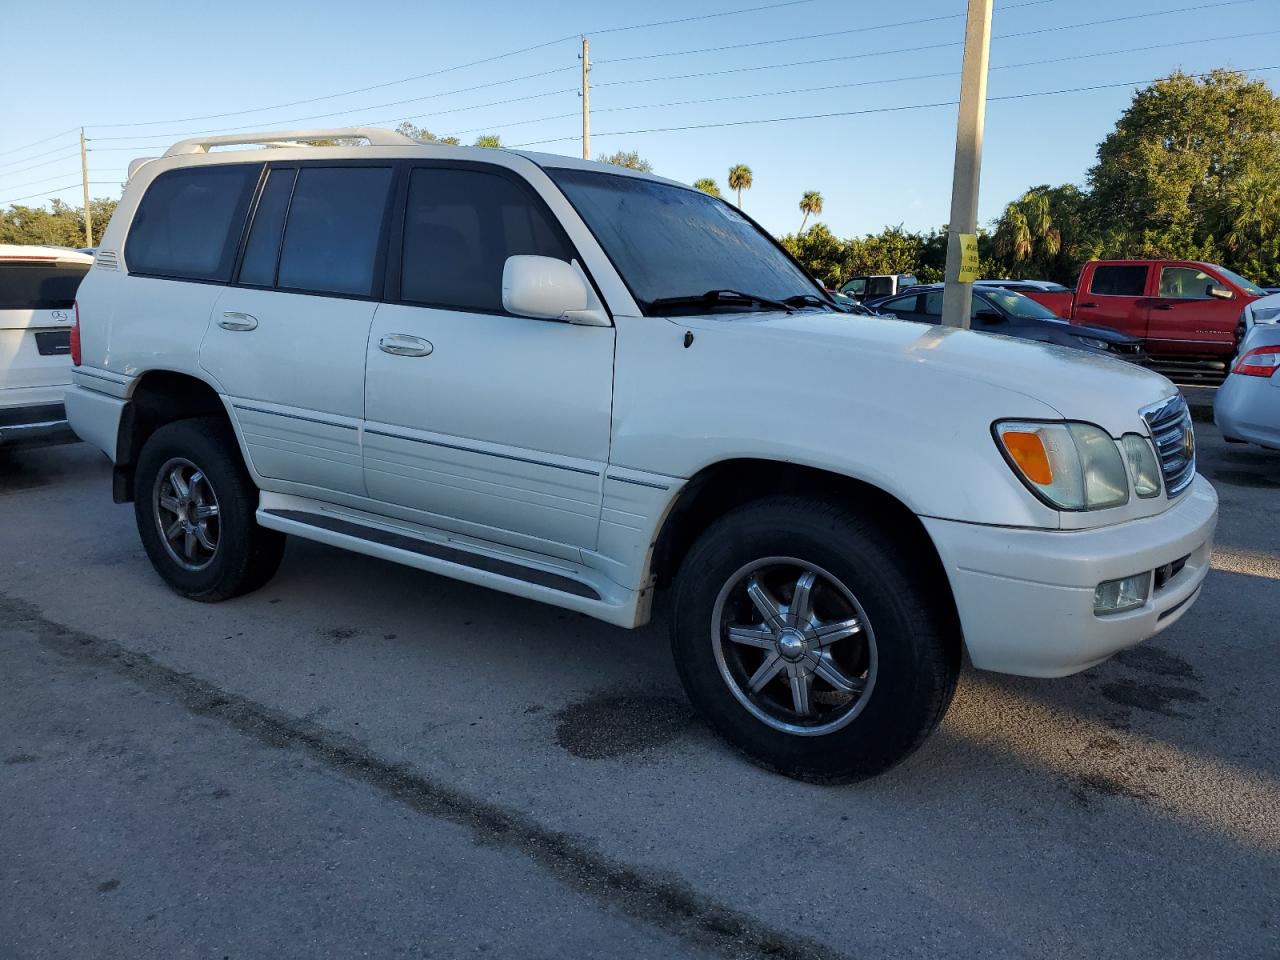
[586, 100]
[84, 177]
[957, 297]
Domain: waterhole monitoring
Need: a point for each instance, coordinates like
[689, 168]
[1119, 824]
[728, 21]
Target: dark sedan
[1013, 315]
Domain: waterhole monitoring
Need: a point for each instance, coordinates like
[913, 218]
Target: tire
[204, 453]
[896, 669]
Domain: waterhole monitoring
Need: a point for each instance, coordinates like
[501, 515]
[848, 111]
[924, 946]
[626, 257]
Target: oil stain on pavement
[610, 725]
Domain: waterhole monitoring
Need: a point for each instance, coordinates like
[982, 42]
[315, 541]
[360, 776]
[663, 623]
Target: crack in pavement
[644, 895]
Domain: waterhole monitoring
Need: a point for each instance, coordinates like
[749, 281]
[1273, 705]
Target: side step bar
[570, 586]
[440, 551]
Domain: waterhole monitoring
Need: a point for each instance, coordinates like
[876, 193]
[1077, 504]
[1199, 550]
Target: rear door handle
[1087, 306]
[403, 345]
[238, 321]
[1163, 306]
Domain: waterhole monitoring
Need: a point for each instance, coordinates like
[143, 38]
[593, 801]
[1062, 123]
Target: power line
[826, 35]
[49, 193]
[32, 183]
[36, 143]
[42, 163]
[897, 109]
[32, 157]
[888, 80]
[460, 66]
[915, 49]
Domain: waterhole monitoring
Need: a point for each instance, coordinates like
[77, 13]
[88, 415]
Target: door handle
[238, 321]
[1163, 306]
[1087, 306]
[403, 345]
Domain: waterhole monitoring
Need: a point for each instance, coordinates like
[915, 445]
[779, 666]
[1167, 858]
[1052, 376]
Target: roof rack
[374, 136]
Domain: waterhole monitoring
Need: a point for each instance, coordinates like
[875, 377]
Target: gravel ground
[366, 760]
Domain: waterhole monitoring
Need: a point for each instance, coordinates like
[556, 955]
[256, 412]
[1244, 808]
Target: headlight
[1143, 465]
[1072, 466]
[1095, 343]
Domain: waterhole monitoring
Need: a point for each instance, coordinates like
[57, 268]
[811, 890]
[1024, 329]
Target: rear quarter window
[40, 285]
[1119, 281]
[188, 224]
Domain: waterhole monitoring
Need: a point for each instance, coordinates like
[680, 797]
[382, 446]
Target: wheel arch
[722, 486]
[156, 398]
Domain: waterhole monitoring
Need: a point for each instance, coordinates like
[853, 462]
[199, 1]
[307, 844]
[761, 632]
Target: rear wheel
[804, 635]
[194, 505]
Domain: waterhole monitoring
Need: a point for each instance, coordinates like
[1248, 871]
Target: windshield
[1016, 305]
[39, 284]
[670, 243]
[1248, 286]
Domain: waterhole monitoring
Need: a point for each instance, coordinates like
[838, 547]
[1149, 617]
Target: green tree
[810, 203]
[60, 225]
[423, 135]
[489, 140]
[707, 185]
[740, 179]
[820, 252]
[629, 159]
[1191, 170]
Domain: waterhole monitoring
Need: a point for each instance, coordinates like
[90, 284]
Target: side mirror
[549, 289]
[1222, 293]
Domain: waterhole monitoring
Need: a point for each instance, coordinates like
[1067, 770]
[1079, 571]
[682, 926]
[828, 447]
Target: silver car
[1247, 407]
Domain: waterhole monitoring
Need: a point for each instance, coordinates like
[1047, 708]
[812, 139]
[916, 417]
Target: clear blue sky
[159, 61]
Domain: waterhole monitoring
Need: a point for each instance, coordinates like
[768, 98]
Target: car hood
[1078, 384]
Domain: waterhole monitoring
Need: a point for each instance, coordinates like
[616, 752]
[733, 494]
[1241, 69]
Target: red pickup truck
[1180, 309]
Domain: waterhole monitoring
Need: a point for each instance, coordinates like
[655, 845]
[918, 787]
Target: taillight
[75, 338]
[1258, 362]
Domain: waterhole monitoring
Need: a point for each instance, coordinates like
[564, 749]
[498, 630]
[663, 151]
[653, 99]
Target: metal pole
[586, 101]
[957, 297]
[84, 177]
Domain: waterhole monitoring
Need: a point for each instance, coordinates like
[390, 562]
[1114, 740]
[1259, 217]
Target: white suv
[577, 383]
[37, 308]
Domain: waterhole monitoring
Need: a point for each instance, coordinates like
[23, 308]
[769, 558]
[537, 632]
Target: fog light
[1117, 596]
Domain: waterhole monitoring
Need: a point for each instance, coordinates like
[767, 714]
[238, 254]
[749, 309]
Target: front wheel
[815, 641]
[195, 504]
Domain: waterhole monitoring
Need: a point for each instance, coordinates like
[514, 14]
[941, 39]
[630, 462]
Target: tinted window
[900, 305]
[460, 226]
[189, 222]
[879, 286]
[263, 248]
[1015, 304]
[39, 286]
[335, 224]
[673, 242]
[855, 288]
[932, 304]
[1119, 281]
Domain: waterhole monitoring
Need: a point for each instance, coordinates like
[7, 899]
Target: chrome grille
[1170, 425]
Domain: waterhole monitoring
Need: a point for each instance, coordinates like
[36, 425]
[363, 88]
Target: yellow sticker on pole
[970, 268]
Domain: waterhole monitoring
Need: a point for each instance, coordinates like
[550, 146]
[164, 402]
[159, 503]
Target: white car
[37, 309]
[578, 383]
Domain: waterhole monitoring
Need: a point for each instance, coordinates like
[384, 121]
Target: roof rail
[375, 136]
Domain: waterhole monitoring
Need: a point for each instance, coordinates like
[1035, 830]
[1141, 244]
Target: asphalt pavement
[362, 760]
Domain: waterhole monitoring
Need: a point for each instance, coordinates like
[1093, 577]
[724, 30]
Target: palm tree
[810, 203]
[707, 185]
[1026, 232]
[739, 179]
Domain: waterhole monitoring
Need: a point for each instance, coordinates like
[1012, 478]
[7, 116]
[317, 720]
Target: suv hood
[1078, 384]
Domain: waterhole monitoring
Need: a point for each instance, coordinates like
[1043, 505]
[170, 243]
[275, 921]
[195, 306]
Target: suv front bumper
[1025, 597]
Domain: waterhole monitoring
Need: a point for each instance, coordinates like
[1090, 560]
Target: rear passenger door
[480, 421]
[286, 340]
[1116, 298]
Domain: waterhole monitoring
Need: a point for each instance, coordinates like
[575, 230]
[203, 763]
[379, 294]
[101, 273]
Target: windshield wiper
[714, 298]
[808, 300]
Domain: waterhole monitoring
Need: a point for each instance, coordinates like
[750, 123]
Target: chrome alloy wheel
[186, 512]
[794, 646]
